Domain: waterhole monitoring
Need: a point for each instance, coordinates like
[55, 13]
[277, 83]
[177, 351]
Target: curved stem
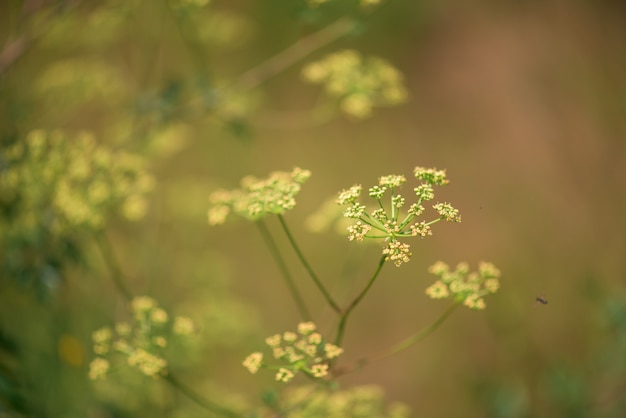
[400, 346]
[116, 272]
[269, 241]
[346, 312]
[425, 332]
[293, 54]
[206, 404]
[307, 267]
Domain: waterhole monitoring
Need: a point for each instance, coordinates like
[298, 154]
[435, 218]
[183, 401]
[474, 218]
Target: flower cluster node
[140, 341]
[304, 351]
[383, 220]
[463, 285]
[359, 84]
[258, 197]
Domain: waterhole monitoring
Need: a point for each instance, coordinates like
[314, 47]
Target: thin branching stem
[206, 404]
[106, 249]
[293, 54]
[425, 332]
[307, 267]
[118, 279]
[282, 266]
[346, 312]
[403, 345]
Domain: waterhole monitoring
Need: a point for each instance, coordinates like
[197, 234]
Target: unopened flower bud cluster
[258, 197]
[462, 285]
[359, 84]
[395, 219]
[141, 340]
[302, 351]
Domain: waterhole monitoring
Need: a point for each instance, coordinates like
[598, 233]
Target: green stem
[293, 54]
[355, 302]
[116, 272]
[425, 332]
[400, 346]
[273, 248]
[307, 267]
[206, 404]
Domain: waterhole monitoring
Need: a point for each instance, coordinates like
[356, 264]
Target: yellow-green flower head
[74, 179]
[183, 325]
[253, 362]
[140, 341]
[463, 285]
[98, 368]
[395, 219]
[358, 83]
[258, 197]
[284, 375]
[304, 351]
[148, 363]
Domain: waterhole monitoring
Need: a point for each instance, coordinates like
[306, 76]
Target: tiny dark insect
[542, 300]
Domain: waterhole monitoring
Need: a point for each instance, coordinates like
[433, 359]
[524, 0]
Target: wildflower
[158, 316]
[253, 362]
[319, 370]
[431, 176]
[398, 252]
[447, 212]
[332, 350]
[315, 338]
[183, 325]
[422, 229]
[391, 181]
[258, 197]
[463, 285]
[149, 364]
[438, 291]
[350, 195]
[98, 368]
[159, 341]
[284, 375]
[274, 340]
[306, 328]
[359, 84]
[385, 220]
[289, 336]
[142, 340]
[358, 231]
[304, 351]
[142, 304]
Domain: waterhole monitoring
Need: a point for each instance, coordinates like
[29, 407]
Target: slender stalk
[307, 267]
[206, 404]
[273, 248]
[400, 346]
[118, 278]
[116, 272]
[346, 312]
[293, 54]
[425, 332]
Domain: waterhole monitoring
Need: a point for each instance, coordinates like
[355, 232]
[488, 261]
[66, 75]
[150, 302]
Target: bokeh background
[524, 104]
